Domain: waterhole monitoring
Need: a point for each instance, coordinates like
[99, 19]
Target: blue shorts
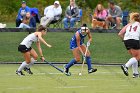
[73, 45]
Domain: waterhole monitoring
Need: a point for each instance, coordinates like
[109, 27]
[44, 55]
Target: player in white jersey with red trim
[29, 53]
[131, 36]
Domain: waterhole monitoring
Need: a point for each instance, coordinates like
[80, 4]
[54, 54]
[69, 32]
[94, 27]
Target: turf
[105, 47]
[48, 80]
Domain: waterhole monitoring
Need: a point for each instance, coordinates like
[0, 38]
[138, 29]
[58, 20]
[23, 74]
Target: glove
[88, 43]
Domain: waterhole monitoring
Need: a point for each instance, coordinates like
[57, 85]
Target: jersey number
[134, 28]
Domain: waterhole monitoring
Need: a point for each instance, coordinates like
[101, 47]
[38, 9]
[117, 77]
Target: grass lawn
[48, 80]
[105, 48]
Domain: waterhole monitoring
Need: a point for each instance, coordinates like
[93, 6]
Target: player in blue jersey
[77, 46]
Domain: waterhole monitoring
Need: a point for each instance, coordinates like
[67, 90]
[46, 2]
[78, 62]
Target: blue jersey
[73, 42]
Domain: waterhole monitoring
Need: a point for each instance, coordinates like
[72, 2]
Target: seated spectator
[99, 16]
[71, 15]
[50, 13]
[114, 15]
[21, 13]
[100, 13]
[28, 21]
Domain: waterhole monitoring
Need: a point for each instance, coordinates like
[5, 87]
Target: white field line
[76, 72]
[73, 87]
[19, 88]
[58, 73]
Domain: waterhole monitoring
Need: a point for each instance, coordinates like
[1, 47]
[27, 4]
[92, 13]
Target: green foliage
[9, 9]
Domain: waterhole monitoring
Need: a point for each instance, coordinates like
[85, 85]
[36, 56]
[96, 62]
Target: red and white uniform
[132, 31]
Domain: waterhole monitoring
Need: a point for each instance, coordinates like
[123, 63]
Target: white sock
[31, 63]
[22, 66]
[131, 61]
[135, 68]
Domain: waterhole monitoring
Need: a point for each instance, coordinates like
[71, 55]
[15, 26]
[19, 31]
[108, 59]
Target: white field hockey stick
[84, 59]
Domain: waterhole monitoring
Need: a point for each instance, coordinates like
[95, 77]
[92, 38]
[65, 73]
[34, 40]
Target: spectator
[100, 13]
[71, 14]
[21, 13]
[28, 21]
[114, 15]
[50, 13]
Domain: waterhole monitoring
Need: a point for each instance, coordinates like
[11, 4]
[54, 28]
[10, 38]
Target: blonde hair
[134, 16]
[102, 8]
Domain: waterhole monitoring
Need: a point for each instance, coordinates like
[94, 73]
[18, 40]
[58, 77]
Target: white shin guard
[22, 66]
[135, 68]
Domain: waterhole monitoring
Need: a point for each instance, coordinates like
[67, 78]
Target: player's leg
[33, 60]
[135, 65]
[131, 61]
[24, 64]
[135, 70]
[76, 59]
[88, 60]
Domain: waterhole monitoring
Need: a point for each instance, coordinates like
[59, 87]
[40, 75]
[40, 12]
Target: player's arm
[122, 32]
[43, 41]
[40, 50]
[78, 43]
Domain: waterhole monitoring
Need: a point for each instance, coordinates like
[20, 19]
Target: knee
[43, 18]
[33, 60]
[118, 19]
[72, 20]
[138, 57]
[21, 23]
[108, 18]
[77, 59]
[65, 20]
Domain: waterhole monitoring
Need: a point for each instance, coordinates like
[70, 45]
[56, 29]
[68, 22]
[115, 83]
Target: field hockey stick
[84, 59]
[54, 66]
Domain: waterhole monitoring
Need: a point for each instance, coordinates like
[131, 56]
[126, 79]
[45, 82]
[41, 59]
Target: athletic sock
[131, 61]
[22, 66]
[71, 63]
[31, 63]
[135, 68]
[88, 60]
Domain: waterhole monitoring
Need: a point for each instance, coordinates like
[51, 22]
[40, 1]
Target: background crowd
[110, 16]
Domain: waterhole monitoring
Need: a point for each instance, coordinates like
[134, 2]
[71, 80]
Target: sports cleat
[20, 73]
[28, 70]
[66, 71]
[125, 70]
[136, 75]
[92, 70]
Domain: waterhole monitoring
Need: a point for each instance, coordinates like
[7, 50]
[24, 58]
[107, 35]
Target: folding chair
[35, 14]
[125, 15]
[56, 22]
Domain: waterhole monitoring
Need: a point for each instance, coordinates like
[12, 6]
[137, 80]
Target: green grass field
[48, 80]
[105, 48]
